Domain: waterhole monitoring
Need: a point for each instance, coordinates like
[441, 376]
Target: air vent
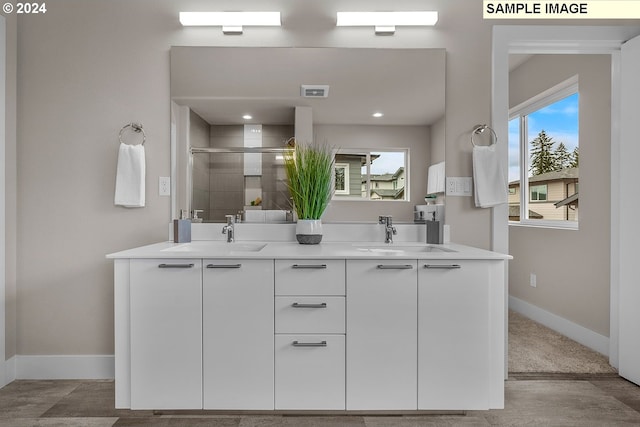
[314, 91]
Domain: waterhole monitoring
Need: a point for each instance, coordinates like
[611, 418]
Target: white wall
[572, 267]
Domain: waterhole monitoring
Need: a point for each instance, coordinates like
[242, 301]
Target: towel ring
[481, 128]
[137, 128]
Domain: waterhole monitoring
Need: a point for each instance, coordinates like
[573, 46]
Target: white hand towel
[436, 178]
[490, 185]
[130, 176]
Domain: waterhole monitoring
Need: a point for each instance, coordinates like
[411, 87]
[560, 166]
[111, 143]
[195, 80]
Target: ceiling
[221, 84]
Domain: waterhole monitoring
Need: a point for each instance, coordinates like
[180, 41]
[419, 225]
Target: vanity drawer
[309, 315]
[310, 277]
[310, 372]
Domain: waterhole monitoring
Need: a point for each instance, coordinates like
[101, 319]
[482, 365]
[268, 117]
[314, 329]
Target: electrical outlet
[164, 186]
[533, 280]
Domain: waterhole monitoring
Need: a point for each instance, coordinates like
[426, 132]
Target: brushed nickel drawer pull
[175, 265]
[309, 344]
[312, 266]
[224, 265]
[447, 267]
[394, 267]
[299, 305]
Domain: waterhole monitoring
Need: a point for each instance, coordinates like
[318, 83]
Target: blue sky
[559, 120]
[388, 162]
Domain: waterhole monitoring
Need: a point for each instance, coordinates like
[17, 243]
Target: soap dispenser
[434, 230]
[182, 228]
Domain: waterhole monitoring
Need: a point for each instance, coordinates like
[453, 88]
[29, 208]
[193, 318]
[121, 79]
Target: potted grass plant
[309, 169]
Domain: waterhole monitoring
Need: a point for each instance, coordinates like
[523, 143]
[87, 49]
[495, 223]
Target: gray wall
[90, 66]
[572, 267]
[11, 205]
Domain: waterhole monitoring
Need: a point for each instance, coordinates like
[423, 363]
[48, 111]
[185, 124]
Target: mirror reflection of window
[342, 178]
[371, 175]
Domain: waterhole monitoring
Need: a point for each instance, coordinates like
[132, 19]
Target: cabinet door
[238, 334]
[166, 334]
[381, 334]
[453, 335]
[310, 372]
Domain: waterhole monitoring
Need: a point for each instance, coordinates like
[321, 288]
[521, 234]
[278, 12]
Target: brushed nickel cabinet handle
[302, 305]
[311, 266]
[224, 265]
[309, 344]
[394, 267]
[175, 265]
[446, 267]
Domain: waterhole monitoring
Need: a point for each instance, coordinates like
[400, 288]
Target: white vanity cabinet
[269, 332]
[166, 333]
[310, 334]
[237, 334]
[382, 335]
[454, 366]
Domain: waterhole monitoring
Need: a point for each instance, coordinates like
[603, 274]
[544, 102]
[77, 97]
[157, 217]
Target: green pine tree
[574, 162]
[562, 157]
[542, 158]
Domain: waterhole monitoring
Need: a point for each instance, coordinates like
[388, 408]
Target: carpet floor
[534, 348]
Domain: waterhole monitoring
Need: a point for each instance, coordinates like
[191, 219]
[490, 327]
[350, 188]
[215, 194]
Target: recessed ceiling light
[377, 115]
[247, 117]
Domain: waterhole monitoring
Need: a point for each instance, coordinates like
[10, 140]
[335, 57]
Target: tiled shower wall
[224, 171]
[199, 136]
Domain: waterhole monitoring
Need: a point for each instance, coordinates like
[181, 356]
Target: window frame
[546, 193]
[544, 99]
[345, 167]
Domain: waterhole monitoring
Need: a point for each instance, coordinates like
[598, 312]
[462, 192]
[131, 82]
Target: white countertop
[294, 250]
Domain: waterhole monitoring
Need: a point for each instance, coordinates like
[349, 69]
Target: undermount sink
[392, 248]
[216, 247]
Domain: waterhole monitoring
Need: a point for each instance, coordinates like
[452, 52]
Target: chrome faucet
[228, 229]
[389, 229]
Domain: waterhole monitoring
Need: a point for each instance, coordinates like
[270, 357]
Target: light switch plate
[459, 186]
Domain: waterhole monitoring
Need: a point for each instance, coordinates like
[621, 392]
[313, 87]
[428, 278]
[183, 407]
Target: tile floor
[535, 400]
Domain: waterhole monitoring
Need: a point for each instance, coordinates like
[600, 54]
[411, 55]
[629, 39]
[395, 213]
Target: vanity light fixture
[386, 22]
[377, 115]
[231, 22]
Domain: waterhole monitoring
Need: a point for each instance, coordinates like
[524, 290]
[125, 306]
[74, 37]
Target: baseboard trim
[9, 370]
[578, 333]
[62, 367]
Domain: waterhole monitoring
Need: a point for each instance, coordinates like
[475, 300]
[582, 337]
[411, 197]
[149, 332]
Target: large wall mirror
[234, 109]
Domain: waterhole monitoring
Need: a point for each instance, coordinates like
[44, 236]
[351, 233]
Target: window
[342, 178]
[544, 158]
[371, 175]
[538, 193]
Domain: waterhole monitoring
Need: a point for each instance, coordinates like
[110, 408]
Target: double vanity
[339, 326]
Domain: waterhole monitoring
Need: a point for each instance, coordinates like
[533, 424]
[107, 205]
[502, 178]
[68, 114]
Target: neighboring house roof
[571, 200]
[396, 194]
[387, 176]
[361, 157]
[514, 210]
[568, 173]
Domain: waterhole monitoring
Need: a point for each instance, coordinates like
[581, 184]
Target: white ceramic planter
[309, 231]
